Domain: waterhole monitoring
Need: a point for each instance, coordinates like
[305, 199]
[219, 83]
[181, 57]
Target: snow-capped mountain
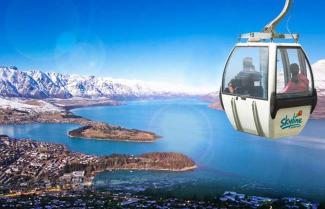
[47, 86]
[37, 84]
[319, 76]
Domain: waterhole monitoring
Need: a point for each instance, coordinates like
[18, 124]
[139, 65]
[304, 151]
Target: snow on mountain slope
[47, 86]
[18, 83]
[37, 84]
[31, 106]
[319, 76]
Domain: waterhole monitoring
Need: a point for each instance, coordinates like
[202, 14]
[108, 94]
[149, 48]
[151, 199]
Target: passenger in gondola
[298, 82]
[243, 82]
[232, 87]
[248, 65]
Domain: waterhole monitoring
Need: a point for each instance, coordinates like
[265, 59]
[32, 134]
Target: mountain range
[319, 76]
[40, 85]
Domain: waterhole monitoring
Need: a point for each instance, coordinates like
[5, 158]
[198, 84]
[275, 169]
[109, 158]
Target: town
[37, 174]
[32, 166]
[90, 198]
[27, 166]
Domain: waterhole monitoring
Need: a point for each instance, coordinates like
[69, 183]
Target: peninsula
[40, 111]
[78, 102]
[27, 165]
[107, 132]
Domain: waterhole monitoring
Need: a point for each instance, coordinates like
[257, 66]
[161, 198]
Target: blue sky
[183, 41]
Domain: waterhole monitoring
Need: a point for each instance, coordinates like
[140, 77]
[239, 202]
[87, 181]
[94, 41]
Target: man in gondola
[243, 83]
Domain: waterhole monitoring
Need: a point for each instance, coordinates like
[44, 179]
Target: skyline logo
[294, 122]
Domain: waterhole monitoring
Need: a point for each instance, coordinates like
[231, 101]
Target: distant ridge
[39, 85]
[319, 76]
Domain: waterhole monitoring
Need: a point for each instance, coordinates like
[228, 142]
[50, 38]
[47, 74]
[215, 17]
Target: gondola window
[293, 73]
[246, 73]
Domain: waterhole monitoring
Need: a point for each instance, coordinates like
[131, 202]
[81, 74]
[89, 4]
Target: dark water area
[226, 159]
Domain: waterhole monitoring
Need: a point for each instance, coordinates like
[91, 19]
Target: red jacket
[301, 86]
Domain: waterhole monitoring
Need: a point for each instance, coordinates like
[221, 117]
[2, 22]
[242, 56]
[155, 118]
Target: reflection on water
[227, 160]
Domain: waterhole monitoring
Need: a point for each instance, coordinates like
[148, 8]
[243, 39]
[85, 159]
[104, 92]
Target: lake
[226, 159]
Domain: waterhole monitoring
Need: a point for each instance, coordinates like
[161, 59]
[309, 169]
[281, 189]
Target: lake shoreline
[100, 130]
[75, 103]
[19, 117]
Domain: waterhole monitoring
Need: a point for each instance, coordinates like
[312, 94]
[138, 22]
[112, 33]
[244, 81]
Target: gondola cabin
[267, 87]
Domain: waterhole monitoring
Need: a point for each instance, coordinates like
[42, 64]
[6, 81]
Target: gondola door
[295, 96]
[245, 89]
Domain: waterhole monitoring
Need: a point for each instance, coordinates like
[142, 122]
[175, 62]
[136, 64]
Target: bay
[226, 159]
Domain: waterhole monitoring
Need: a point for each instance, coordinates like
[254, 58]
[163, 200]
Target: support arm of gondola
[270, 28]
[269, 32]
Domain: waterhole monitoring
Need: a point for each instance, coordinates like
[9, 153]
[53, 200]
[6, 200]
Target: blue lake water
[227, 160]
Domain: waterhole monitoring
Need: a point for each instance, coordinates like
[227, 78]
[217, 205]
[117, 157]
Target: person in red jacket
[298, 83]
